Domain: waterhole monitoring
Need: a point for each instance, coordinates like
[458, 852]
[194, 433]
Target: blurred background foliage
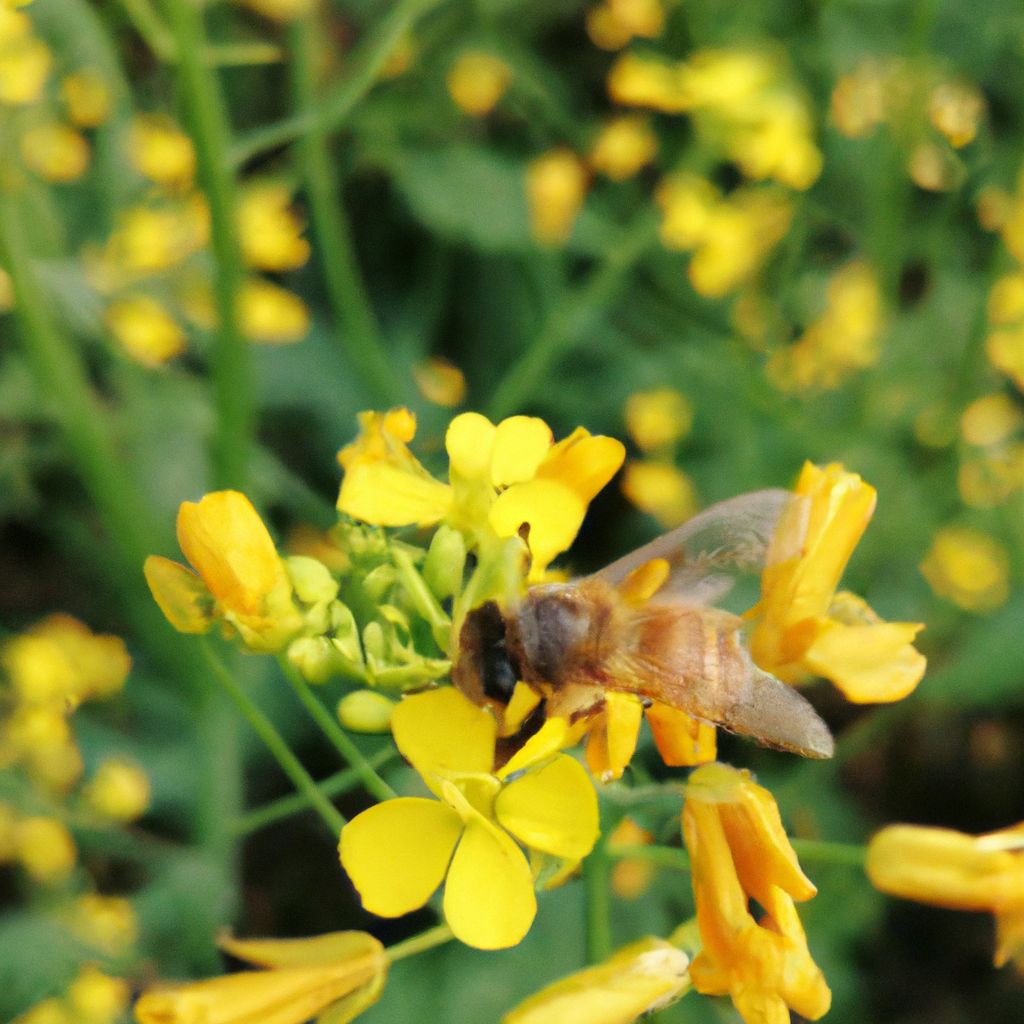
[805, 218]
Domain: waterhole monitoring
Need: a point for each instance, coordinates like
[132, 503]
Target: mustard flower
[25, 60]
[659, 418]
[739, 852]
[270, 314]
[440, 382]
[97, 998]
[239, 576]
[556, 185]
[950, 869]
[477, 81]
[500, 477]
[87, 97]
[661, 489]
[119, 790]
[341, 971]
[145, 330]
[624, 147]
[801, 626]
[269, 230]
[161, 151]
[638, 979]
[56, 152]
[398, 852]
[969, 568]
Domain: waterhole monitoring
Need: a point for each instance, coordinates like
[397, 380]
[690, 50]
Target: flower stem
[436, 936]
[570, 319]
[355, 323]
[230, 363]
[334, 785]
[275, 743]
[423, 600]
[597, 887]
[373, 783]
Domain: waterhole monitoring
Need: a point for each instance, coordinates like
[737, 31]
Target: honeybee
[573, 642]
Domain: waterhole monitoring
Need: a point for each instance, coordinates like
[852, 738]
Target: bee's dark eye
[498, 672]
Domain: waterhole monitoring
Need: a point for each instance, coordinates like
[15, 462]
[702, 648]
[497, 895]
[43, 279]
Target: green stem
[149, 26]
[597, 887]
[364, 65]
[422, 599]
[571, 318]
[355, 323]
[436, 936]
[286, 806]
[230, 363]
[373, 783]
[275, 743]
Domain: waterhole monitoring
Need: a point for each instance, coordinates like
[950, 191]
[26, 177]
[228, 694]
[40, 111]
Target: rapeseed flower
[477, 81]
[269, 230]
[801, 626]
[145, 330]
[160, 151]
[45, 848]
[25, 60]
[969, 568]
[270, 314]
[97, 998]
[56, 152]
[950, 869]
[659, 418]
[398, 852]
[440, 382]
[613, 23]
[624, 146]
[556, 185]
[660, 489]
[86, 96]
[739, 852]
[119, 790]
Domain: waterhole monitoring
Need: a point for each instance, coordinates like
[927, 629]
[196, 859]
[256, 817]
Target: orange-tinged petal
[397, 853]
[442, 732]
[645, 581]
[552, 808]
[469, 443]
[388, 495]
[613, 738]
[181, 594]
[520, 445]
[489, 900]
[583, 462]
[681, 740]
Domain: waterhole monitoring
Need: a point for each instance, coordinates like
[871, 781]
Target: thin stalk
[355, 323]
[296, 803]
[275, 743]
[597, 889]
[436, 936]
[422, 599]
[151, 28]
[373, 783]
[364, 66]
[230, 363]
[570, 319]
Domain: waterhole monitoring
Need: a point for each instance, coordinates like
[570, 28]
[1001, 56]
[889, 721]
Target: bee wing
[707, 552]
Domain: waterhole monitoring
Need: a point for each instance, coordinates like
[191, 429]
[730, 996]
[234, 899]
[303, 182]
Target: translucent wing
[707, 552]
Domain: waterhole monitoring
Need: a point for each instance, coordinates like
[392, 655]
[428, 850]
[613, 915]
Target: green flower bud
[315, 658]
[311, 579]
[445, 562]
[365, 711]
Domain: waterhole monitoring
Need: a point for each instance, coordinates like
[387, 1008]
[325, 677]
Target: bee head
[556, 625]
[485, 670]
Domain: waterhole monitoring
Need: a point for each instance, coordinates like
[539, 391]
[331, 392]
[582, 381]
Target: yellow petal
[552, 808]
[870, 663]
[397, 853]
[645, 581]
[553, 511]
[469, 443]
[682, 740]
[614, 737]
[520, 444]
[488, 899]
[555, 734]
[180, 593]
[388, 495]
[583, 463]
[333, 947]
[440, 732]
[524, 699]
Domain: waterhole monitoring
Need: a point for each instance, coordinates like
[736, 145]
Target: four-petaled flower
[398, 852]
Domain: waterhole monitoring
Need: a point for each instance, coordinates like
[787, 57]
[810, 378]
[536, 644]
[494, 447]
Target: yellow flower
[270, 314]
[55, 152]
[501, 477]
[614, 23]
[150, 239]
[624, 146]
[859, 100]
[969, 568]
[739, 852]
[801, 626]
[161, 151]
[145, 330]
[556, 184]
[87, 97]
[398, 852]
[638, 979]
[990, 419]
[106, 923]
[269, 229]
[440, 382]
[25, 60]
[660, 489]
[1005, 349]
[241, 576]
[631, 875]
[477, 81]
[658, 419]
[950, 869]
[955, 108]
[341, 971]
[45, 848]
[96, 997]
[119, 790]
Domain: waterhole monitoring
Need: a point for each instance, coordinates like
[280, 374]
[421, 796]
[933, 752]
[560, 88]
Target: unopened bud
[311, 579]
[445, 562]
[365, 711]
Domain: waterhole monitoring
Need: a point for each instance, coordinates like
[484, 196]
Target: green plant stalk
[423, 600]
[230, 363]
[364, 65]
[275, 743]
[597, 889]
[569, 320]
[342, 742]
[336, 784]
[436, 936]
[355, 323]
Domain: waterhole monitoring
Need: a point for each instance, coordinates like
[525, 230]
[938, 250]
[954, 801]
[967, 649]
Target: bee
[573, 642]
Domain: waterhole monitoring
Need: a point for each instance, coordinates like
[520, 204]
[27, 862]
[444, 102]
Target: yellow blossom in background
[990, 419]
[739, 852]
[25, 60]
[801, 626]
[55, 152]
[858, 100]
[631, 876]
[6, 292]
[161, 151]
[269, 229]
[119, 790]
[149, 239]
[613, 23]
[477, 81]
[955, 108]
[45, 848]
[270, 314]
[1005, 350]
[280, 10]
[440, 382]
[1006, 299]
[105, 923]
[400, 851]
[49, 1011]
[97, 998]
[238, 574]
[686, 202]
[994, 205]
[624, 146]
[8, 821]
[842, 340]
[556, 185]
[636, 81]
[302, 978]
[638, 979]
[145, 330]
[969, 568]
[86, 96]
[661, 489]
[935, 168]
[962, 872]
[657, 419]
